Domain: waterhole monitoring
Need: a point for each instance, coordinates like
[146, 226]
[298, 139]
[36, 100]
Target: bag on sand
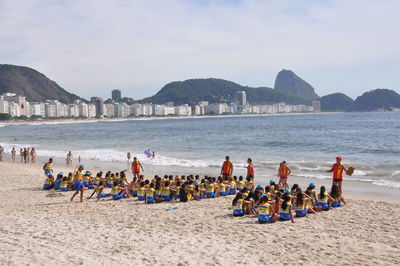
[350, 171]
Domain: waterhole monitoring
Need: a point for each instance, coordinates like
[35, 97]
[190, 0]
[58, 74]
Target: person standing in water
[25, 154]
[226, 169]
[129, 157]
[283, 174]
[337, 170]
[136, 167]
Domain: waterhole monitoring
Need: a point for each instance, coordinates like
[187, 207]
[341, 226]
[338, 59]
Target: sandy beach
[42, 227]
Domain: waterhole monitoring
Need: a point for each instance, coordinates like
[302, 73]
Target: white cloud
[90, 47]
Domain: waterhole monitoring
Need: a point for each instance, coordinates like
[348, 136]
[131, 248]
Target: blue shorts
[232, 191]
[150, 200]
[325, 206]
[63, 189]
[301, 213]
[238, 212]
[141, 197]
[133, 192]
[118, 196]
[48, 172]
[200, 196]
[167, 198]
[105, 195]
[78, 185]
[46, 186]
[109, 185]
[223, 193]
[210, 194]
[285, 216]
[264, 218]
[336, 204]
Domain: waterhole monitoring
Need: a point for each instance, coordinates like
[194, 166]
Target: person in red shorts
[337, 170]
[136, 167]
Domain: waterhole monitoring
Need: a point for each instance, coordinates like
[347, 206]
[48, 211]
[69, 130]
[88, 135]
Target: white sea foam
[386, 183]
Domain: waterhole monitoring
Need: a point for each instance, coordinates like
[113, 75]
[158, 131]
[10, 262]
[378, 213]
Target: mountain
[32, 84]
[379, 99]
[336, 102]
[218, 90]
[288, 81]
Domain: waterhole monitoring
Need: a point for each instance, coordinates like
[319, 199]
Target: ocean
[308, 142]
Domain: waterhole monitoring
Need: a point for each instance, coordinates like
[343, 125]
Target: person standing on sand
[78, 182]
[28, 155]
[1, 153]
[129, 157]
[68, 160]
[250, 168]
[337, 170]
[226, 169]
[25, 154]
[21, 155]
[283, 174]
[13, 153]
[33, 155]
[136, 167]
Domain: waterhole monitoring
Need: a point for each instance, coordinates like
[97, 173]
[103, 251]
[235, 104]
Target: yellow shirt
[263, 209]
[150, 192]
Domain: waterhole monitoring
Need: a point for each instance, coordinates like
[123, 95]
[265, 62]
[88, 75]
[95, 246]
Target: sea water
[308, 142]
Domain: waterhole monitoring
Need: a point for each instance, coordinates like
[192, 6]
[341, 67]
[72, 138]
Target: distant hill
[379, 99]
[218, 90]
[288, 81]
[32, 84]
[336, 102]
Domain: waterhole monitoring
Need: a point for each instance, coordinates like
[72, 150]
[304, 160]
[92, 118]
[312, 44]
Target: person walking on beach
[33, 155]
[337, 170]
[13, 153]
[283, 174]
[25, 154]
[250, 168]
[21, 155]
[1, 153]
[28, 155]
[129, 157]
[227, 168]
[68, 160]
[136, 167]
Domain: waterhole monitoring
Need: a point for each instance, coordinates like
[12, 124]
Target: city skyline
[92, 46]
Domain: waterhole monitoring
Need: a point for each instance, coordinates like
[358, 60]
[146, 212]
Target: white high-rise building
[3, 107]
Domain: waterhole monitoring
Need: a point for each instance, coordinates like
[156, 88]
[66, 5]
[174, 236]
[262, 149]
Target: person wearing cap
[337, 173]
[283, 174]
[227, 168]
[78, 182]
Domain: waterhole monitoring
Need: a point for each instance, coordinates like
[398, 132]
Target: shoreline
[151, 118]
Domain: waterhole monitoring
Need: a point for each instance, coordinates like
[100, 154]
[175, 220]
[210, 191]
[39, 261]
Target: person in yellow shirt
[141, 192]
[240, 184]
[210, 189]
[237, 205]
[266, 213]
[150, 194]
[78, 183]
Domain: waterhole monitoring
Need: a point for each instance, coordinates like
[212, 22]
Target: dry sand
[42, 227]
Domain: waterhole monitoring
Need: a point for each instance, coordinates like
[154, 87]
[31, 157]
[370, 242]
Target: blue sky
[92, 46]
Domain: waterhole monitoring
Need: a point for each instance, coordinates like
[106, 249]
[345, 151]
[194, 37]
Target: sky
[90, 47]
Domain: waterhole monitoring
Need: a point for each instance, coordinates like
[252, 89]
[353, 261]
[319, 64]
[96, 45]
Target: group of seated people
[273, 203]
[158, 189]
[270, 203]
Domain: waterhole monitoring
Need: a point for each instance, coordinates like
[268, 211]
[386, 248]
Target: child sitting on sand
[323, 199]
[237, 205]
[266, 213]
[338, 200]
[285, 210]
[49, 182]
